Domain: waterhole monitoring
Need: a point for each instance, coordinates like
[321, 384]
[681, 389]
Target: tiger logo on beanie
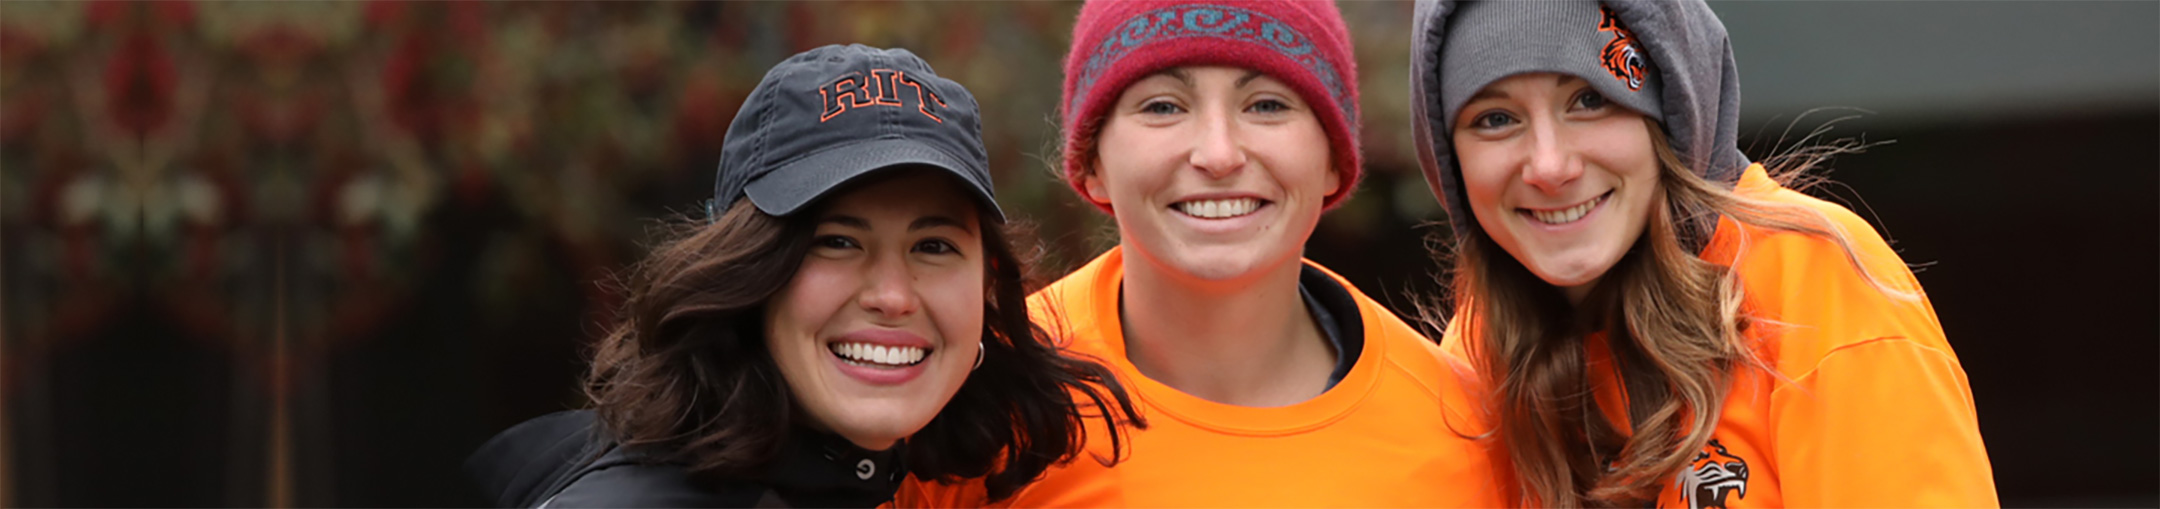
[1621, 56]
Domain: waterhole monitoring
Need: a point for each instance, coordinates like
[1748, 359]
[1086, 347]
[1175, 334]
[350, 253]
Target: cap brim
[786, 189]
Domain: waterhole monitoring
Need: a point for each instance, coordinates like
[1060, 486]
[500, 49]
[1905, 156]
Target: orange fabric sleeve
[1882, 423]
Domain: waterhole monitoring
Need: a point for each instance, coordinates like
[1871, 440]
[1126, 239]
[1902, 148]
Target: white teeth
[1567, 215]
[865, 353]
[1219, 209]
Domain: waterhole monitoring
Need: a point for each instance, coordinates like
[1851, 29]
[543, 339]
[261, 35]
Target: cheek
[1483, 178]
[1305, 154]
[810, 300]
[1129, 160]
[1622, 144]
[955, 301]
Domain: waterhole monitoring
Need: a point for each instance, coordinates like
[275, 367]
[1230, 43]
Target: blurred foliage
[176, 150]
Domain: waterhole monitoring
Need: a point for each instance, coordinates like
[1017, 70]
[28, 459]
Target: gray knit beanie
[1489, 41]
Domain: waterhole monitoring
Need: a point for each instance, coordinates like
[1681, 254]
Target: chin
[878, 424]
[1570, 274]
[1233, 262]
[1215, 270]
[1566, 282]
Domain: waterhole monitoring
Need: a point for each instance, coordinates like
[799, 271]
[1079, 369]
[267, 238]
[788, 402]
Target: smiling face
[883, 320]
[1559, 177]
[1214, 173]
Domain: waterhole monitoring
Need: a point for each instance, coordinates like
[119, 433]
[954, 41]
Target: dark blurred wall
[312, 254]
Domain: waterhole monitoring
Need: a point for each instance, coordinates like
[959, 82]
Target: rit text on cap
[879, 87]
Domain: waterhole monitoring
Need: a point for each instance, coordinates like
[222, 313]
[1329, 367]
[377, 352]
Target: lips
[1569, 214]
[1219, 208]
[874, 355]
[881, 356]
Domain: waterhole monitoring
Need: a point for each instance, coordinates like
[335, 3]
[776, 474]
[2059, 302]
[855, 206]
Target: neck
[1247, 342]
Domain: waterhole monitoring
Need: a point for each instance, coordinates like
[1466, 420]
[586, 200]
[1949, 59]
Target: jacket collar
[818, 469]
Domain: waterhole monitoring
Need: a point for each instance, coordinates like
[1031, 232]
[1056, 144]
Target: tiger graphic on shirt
[1713, 476]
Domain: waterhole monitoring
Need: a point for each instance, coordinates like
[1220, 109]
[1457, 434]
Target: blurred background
[313, 254]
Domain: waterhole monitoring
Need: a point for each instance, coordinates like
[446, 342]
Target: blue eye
[1160, 108]
[1269, 106]
[1491, 120]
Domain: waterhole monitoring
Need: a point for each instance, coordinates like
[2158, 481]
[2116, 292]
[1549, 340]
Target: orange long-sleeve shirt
[1381, 437]
[1868, 406]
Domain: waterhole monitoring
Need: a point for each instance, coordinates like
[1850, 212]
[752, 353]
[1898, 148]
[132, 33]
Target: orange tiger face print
[1621, 56]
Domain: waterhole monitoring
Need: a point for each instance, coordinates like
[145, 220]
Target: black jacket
[561, 460]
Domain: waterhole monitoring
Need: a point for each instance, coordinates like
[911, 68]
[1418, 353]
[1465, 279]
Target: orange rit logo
[881, 87]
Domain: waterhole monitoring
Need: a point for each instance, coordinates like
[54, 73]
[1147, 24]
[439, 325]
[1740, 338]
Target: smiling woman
[1661, 321]
[1217, 136]
[850, 312]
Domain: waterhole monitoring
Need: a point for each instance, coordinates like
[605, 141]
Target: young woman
[1216, 135]
[1659, 320]
[851, 312]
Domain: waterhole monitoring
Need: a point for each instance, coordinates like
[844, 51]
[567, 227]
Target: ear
[1096, 191]
[1334, 182]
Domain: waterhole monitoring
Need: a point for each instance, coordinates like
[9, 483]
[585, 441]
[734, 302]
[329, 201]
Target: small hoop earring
[978, 356]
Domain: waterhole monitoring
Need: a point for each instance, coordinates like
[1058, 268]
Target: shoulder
[1760, 245]
[620, 479]
[1811, 295]
[1069, 307]
[519, 465]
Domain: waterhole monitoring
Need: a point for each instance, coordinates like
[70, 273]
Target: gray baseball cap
[831, 115]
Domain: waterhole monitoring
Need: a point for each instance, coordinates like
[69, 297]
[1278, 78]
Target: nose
[1552, 163]
[1217, 148]
[888, 289]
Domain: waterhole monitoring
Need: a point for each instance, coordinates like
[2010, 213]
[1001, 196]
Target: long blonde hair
[1677, 327]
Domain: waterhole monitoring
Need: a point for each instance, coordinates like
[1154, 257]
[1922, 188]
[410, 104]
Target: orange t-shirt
[1381, 437]
[1868, 407]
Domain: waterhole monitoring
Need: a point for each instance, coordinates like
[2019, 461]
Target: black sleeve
[520, 466]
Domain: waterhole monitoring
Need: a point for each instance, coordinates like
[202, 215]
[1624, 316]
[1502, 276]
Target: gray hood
[1700, 90]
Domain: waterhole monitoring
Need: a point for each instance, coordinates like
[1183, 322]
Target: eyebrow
[1249, 76]
[936, 221]
[1179, 73]
[848, 221]
[919, 224]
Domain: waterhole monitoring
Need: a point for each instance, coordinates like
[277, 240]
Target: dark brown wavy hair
[1677, 327]
[685, 370]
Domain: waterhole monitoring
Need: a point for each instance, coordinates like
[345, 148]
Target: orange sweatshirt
[1381, 437]
[1869, 406]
